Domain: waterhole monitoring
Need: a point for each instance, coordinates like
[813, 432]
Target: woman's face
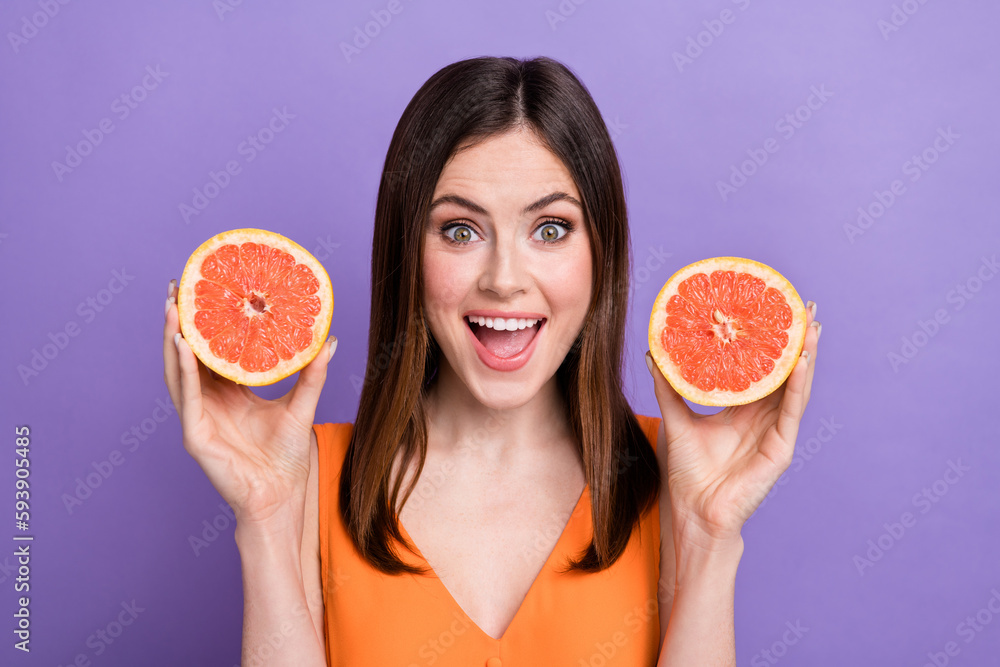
[506, 247]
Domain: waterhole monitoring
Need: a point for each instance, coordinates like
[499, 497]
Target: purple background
[679, 130]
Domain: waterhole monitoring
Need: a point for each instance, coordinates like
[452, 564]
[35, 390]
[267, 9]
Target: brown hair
[472, 100]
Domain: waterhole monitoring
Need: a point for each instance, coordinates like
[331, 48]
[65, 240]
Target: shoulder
[332, 438]
[651, 427]
[329, 445]
[331, 432]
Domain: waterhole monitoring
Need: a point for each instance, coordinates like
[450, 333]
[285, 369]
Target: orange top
[576, 619]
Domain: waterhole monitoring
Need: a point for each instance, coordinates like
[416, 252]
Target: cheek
[445, 282]
[569, 280]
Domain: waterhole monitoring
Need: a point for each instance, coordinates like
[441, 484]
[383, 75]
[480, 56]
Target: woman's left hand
[721, 467]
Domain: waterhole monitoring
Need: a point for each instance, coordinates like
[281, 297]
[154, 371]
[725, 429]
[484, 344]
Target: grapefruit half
[254, 306]
[726, 330]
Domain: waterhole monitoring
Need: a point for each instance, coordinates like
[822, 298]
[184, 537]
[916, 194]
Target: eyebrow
[530, 208]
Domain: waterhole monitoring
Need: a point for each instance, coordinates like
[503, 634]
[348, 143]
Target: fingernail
[331, 343]
[177, 340]
[811, 305]
[819, 330]
[170, 287]
[649, 362]
[170, 302]
[805, 355]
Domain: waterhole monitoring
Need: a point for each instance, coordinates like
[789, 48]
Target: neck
[459, 423]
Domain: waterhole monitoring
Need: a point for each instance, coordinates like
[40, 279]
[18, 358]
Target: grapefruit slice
[254, 306]
[726, 330]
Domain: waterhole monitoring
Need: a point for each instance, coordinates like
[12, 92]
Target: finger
[775, 398]
[171, 366]
[811, 344]
[209, 378]
[677, 416]
[793, 404]
[191, 404]
[305, 394]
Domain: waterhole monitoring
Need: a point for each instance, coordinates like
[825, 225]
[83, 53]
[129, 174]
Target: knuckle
[786, 456]
[195, 448]
[788, 413]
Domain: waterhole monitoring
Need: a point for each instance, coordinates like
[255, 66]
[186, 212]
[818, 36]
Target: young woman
[496, 501]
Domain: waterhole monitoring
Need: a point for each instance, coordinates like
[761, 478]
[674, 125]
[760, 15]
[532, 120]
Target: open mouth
[504, 337]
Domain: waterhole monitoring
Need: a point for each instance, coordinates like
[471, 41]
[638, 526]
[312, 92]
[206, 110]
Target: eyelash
[565, 224]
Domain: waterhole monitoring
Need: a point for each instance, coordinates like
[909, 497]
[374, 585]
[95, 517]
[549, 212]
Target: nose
[505, 270]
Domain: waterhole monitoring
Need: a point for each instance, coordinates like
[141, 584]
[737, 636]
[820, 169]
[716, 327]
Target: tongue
[504, 344]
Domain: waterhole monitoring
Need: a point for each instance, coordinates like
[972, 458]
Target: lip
[491, 360]
[516, 314]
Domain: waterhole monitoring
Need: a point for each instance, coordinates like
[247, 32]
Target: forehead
[515, 165]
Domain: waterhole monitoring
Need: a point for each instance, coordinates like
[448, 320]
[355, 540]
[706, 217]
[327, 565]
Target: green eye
[551, 231]
[460, 234]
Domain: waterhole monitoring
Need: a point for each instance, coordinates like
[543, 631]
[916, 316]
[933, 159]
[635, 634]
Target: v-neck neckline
[557, 549]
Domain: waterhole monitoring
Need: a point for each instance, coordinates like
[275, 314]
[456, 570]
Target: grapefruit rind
[783, 366]
[200, 345]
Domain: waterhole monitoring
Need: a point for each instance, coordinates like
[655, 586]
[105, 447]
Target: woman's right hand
[255, 452]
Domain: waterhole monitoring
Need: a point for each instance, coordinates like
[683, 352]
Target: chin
[504, 394]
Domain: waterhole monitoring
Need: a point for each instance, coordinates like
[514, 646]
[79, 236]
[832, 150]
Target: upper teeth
[503, 324]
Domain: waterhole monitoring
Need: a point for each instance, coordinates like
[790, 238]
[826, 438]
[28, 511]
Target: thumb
[677, 416]
[305, 393]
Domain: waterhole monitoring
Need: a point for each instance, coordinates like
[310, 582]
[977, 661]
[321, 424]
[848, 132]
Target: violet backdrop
[853, 146]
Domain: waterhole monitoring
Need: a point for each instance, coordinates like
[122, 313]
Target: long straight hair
[466, 102]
